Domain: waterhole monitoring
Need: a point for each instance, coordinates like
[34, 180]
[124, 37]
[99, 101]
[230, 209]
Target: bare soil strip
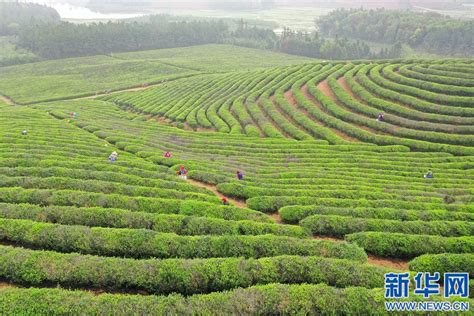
[7, 100]
[277, 218]
[205, 130]
[5, 285]
[343, 83]
[339, 133]
[328, 238]
[188, 127]
[392, 263]
[212, 188]
[398, 264]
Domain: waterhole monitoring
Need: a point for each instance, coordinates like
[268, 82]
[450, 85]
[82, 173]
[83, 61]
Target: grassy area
[73, 77]
[67, 78]
[216, 58]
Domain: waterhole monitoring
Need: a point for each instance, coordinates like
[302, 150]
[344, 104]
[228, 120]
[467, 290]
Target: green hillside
[329, 202]
[86, 76]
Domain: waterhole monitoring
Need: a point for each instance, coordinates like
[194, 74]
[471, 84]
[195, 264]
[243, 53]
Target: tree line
[430, 32]
[65, 39]
[49, 38]
[59, 40]
[312, 45]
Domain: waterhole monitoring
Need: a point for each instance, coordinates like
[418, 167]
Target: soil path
[324, 87]
[7, 100]
[391, 263]
[343, 83]
[5, 285]
[339, 133]
[398, 264]
[213, 189]
[277, 218]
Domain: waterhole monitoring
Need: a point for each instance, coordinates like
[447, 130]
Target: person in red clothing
[225, 201]
[167, 154]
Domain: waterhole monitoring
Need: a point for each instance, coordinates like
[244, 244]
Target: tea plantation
[331, 199]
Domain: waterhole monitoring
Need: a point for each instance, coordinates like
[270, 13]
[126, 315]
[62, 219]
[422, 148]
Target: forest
[341, 35]
[52, 41]
[429, 32]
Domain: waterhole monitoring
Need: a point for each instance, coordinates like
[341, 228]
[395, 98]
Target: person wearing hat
[113, 157]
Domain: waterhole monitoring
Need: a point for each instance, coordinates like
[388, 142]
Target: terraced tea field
[425, 108]
[330, 201]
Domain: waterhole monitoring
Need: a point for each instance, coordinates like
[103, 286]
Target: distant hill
[13, 14]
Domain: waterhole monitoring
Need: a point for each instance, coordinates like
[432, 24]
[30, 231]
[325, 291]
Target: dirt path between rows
[343, 83]
[398, 264]
[277, 218]
[393, 263]
[6, 100]
[323, 86]
[339, 133]
[5, 285]
[213, 189]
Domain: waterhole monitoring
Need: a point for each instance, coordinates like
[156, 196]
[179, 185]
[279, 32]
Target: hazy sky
[75, 9]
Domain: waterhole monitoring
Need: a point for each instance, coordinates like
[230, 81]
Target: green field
[75, 77]
[331, 199]
[84, 76]
[216, 58]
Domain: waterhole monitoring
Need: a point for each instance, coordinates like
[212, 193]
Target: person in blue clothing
[113, 157]
[429, 175]
[183, 173]
[240, 175]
